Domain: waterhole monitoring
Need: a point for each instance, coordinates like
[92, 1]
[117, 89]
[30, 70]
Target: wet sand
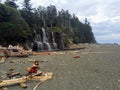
[98, 68]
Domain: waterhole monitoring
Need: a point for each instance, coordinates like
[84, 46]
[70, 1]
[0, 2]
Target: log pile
[22, 81]
[9, 82]
[14, 51]
[77, 46]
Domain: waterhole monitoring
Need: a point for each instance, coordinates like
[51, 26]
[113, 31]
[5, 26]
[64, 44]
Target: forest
[17, 25]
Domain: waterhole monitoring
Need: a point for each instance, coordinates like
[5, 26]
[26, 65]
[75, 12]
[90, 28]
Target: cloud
[113, 36]
[45, 3]
[107, 32]
[109, 38]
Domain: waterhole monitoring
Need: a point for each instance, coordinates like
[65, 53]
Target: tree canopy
[13, 28]
[18, 25]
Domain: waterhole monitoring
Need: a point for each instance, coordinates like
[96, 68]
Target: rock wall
[47, 40]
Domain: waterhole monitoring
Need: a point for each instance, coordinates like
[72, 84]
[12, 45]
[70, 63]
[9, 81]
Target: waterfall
[40, 45]
[38, 42]
[45, 39]
[53, 39]
[38, 38]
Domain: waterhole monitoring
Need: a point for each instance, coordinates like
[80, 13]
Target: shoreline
[97, 68]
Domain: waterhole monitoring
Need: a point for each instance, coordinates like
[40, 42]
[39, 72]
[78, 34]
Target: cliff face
[47, 40]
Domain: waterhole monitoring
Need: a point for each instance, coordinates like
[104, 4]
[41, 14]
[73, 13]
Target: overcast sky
[104, 15]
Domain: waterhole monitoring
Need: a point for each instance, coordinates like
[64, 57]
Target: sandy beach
[95, 68]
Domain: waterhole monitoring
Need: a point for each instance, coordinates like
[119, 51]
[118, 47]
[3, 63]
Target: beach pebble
[97, 87]
[3, 76]
[118, 80]
[11, 61]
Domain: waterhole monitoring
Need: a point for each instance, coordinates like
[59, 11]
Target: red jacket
[33, 70]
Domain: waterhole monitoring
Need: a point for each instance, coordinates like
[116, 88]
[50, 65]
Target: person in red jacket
[34, 70]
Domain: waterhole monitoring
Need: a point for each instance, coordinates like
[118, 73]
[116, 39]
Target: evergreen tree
[11, 3]
[13, 28]
[51, 15]
[28, 15]
[42, 14]
[70, 27]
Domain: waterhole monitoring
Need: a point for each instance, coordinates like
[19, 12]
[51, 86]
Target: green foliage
[11, 3]
[55, 29]
[76, 40]
[27, 5]
[62, 21]
[13, 28]
[20, 29]
[66, 42]
[51, 15]
[28, 15]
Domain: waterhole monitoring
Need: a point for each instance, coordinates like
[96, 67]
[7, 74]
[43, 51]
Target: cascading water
[38, 41]
[45, 39]
[40, 45]
[53, 41]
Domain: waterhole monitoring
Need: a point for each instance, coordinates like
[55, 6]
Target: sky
[104, 15]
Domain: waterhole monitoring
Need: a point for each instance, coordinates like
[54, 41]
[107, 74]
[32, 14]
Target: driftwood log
[21, 81]
[43, 77]
[6, 53]
[5, 83]
[10, 75]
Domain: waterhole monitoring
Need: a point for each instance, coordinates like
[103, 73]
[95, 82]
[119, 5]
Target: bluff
[47, 40]
[25, 27]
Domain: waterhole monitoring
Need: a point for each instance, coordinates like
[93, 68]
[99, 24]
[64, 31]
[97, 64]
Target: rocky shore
[96, 67]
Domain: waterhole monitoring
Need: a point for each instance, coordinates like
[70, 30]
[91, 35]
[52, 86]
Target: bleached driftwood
[12, 82]
[43, 77]
[21, 81]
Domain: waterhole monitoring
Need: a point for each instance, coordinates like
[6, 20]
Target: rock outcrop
[47, 40]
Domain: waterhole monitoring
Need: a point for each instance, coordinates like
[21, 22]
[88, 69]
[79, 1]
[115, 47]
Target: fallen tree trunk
[12, 82]
[22, 80]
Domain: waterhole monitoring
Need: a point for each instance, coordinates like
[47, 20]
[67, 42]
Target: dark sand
[98, 68]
